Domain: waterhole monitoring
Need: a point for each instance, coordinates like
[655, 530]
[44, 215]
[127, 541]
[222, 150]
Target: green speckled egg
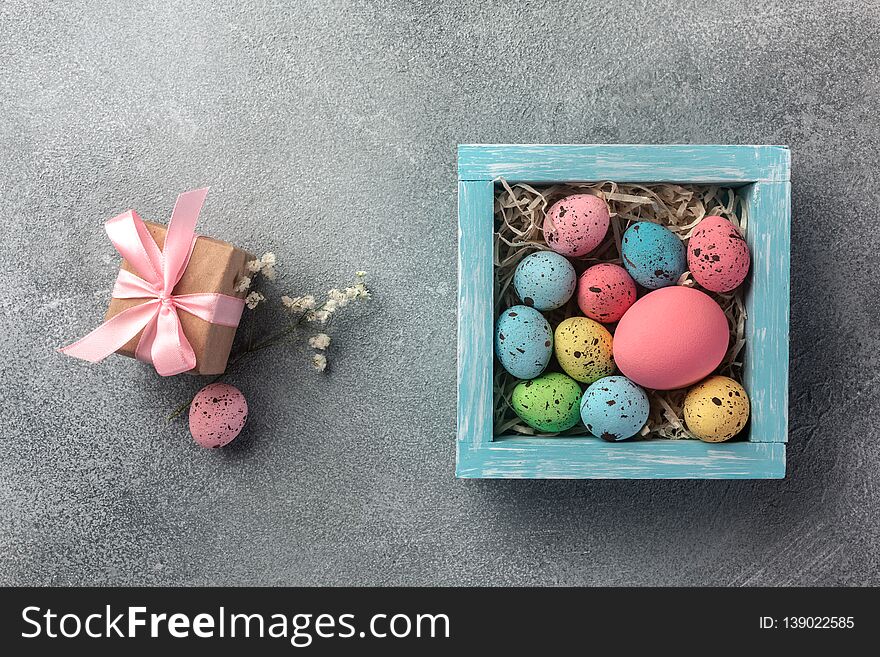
[549, 403]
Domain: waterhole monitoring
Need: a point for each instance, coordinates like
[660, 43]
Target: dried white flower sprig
[265, 266]
[319, 361]
[310, 311]
[320, 341]
[305, 309]
[298, 303]
[253, 299]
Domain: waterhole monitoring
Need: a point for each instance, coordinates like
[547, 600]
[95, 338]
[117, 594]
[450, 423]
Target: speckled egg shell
[614, 408]
[549, 403]
[544, 280]
[523, 341]
[671, 338]
[217, 414]
[718, 256]
[653, 255]
[576, 225]
[605, 292]
[716, 409]
[583, 348]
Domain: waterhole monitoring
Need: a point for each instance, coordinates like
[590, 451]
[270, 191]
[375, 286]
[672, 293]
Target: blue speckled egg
[523, 341]
[544, 280]
[614, 408]
[653, 255]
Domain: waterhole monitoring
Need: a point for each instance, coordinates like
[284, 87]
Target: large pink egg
[576, 225]
[217, 414]
[718, 256]
[671, 338]
[605, 292]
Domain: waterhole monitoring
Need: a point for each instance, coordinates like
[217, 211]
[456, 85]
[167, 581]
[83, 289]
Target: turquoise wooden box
[762, 175]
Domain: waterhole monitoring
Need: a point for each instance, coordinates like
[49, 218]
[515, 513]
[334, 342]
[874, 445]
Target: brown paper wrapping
[214, 266]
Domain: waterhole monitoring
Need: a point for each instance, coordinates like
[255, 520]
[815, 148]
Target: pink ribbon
[163, 343]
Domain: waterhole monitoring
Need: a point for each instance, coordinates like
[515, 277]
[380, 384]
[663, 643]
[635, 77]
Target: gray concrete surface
[328, 133]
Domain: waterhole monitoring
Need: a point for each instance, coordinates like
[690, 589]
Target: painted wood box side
[595, 459]
[767, 307]
[694, 163]
[475, 321]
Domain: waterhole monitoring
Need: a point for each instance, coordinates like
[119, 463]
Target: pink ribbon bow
[163, 343]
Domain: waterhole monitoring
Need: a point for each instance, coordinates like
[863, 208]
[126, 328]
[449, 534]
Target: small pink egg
[671, 338]
[217, 414]
[576, 225]
[605, 292]
[718, 256]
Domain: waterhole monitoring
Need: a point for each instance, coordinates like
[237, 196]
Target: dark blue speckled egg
[544, 280]
[653, 255]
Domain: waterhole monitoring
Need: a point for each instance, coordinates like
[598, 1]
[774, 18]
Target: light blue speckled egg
[544, 280]
[653, 255]
[523, 341]
[614, 408]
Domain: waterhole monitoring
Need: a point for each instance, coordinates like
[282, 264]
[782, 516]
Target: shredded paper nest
[519, 216]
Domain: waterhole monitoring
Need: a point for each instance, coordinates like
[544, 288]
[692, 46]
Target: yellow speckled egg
[583, 349]
[716, 409]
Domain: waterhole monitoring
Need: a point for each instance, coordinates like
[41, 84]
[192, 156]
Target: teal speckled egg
[653, 255]
[549, 403]
[523, 341]
[614, 408]
[544, 280]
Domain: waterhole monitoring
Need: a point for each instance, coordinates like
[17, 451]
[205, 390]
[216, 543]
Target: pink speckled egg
[576, 225]
[718, 256]
[605, 292]
[217, 414]
[671, 338]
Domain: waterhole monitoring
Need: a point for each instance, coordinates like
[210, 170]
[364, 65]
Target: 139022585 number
[818, 622]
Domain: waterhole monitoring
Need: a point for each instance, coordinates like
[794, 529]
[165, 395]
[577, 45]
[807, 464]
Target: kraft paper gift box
[214, 266]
